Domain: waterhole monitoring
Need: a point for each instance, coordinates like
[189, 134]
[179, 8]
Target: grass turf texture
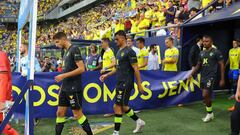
[184, 120]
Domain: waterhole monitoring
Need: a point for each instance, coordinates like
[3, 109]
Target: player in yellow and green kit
[171, 56]
[142, 56]
[233, 60]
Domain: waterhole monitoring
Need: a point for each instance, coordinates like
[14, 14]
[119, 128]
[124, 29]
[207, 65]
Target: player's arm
[145, 62]
[113, 64]
[220, 60]
[227, 62]
[222, 71]
[237, 96]
[80, 66]
[105, 76]
[138, 77]
[75, 72]
[172, 59]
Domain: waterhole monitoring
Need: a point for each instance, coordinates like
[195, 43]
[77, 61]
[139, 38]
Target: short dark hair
[60, 35]
[199, 38]
[207, 36]
[94, 46]
[46, 57]
[141, 40]
[193, 9]
[237, 40]
[152, 46]
[169, 38]
[106, 40]
[121, 33]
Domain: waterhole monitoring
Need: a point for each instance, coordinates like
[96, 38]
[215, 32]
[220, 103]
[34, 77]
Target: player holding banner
[126, 68]
[5, 90]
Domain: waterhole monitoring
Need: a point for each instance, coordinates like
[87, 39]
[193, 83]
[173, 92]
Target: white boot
[139, 125]
[115, 132]
[209, 117]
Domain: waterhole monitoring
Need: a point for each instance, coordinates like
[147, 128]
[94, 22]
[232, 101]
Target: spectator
[193, 12]
[108, 59]
[184, 15]
[24, 63]
[218, 5]
[170, 12]
[130, 44]
[142, 26]
[48, 66]
[118, 25]
[94, 61]
[195, 51]
[59, 68]
[171, 56]
[142, 55]
[194, 4]
[153, 63]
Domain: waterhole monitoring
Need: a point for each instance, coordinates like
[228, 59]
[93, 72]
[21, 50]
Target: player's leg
[75, 100]
[139, 122]
[208, 103]
[235, 120]
[118, 111]
[8, 130]
[206, 93]
[62, 109]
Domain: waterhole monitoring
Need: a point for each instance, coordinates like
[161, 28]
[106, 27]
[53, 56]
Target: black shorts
[207, 83]
[123, 93]
[70, 99]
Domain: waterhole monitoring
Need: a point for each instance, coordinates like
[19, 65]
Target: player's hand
[222, 83]
[2, 106]
[237, 96]
[140, 88]
[59, 78]
[190, 77]
[102, 71]
[103, 77]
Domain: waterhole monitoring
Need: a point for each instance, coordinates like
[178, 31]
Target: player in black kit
[70, 94]
[125, 70]
[209, 60]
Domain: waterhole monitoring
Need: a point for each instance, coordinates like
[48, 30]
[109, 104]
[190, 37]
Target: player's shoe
[231, 109]
[209, 117]
[140, 124]
[115, 133]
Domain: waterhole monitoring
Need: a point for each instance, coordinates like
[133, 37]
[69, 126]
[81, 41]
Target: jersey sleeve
[111, 55]
[145, 54]
[176, 53]
[76, 54]
[219, 55]
[132, 57]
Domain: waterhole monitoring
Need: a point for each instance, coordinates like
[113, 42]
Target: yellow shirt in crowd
[171, 53]
[234, 58]
[205, 3]
[142, 55]
[118, 27]
[141, 25]
[108, 56]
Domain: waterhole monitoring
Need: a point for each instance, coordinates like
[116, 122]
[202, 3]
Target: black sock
[58, 129]
[117, 121]
[235, 120]
[130, 113]
[85, 125]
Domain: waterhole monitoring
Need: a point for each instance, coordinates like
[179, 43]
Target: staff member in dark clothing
[71, 90]
[235, 117]
[125, 70]
[208, 62]
[195, 51]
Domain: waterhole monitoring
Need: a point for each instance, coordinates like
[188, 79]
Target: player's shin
[60, 121]
[130, 113]
[85, 125]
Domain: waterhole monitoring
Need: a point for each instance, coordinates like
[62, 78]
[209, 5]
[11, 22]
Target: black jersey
[209, 62]
[72, 55]
[125, 72]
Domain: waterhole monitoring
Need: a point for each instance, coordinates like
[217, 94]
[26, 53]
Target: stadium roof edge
[226, 14]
